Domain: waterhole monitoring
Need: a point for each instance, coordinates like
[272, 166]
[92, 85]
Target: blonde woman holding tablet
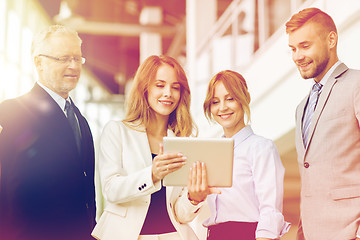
[252, 207]
[132, 164]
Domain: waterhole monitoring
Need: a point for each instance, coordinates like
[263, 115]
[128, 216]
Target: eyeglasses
[66, 59]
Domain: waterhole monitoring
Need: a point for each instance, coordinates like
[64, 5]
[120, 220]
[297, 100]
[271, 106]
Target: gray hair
[41, 38]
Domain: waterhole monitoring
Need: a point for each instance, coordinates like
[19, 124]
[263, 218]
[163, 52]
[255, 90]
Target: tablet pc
[216, 153]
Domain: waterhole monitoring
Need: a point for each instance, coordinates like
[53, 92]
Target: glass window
[2, 25]
[26, 39]
[13, 37]
[27, 82]
[279, 12]
[12, 80]
[2, 79]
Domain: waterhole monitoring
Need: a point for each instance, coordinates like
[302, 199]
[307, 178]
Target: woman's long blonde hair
[138, 110]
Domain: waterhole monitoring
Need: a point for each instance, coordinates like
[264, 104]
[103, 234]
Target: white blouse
[257, 191]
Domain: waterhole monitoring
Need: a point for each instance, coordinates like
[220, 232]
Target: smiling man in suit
[46, 149]
[327, 131]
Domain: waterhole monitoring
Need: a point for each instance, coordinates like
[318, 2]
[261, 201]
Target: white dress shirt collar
[241, 135]
[57, 98]
[324, 80]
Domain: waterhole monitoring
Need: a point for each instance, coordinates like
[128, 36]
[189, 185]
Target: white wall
[275, 85]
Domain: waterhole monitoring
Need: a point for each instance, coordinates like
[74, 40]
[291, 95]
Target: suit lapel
[44, 105]
[324, 96]
[144, 141]
[50, 113]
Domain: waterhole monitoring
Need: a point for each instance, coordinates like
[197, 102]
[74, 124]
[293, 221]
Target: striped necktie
[310, 109]
[73, 123]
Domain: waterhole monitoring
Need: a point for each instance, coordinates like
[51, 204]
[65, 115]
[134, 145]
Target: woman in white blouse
[131, 160]
[252, 207]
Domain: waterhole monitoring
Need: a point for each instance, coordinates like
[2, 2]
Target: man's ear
[37, 62]
[332, 38]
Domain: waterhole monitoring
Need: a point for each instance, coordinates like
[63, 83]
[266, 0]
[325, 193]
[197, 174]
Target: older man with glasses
[46, 149]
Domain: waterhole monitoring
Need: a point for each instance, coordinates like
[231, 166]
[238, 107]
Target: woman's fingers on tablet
[192, 177]
[198, 188]
[176, 162]
[199, 176]
[192, 181]
[197, 183]
[203, 175]
[163, 164]
[170, 158]
[167, 156]
[174, 166]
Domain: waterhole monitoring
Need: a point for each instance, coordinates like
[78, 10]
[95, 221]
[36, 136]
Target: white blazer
[125, 162]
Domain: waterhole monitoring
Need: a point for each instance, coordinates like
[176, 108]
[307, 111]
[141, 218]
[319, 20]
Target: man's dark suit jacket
[46, 185]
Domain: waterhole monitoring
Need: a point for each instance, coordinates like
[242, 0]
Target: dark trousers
[232, 231]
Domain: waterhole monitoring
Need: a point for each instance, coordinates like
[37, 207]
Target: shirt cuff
[192, 207]
[272, 226]
[185, 211]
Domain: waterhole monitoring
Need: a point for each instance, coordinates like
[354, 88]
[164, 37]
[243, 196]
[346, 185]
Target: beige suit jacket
[330, 165]
[125, 164]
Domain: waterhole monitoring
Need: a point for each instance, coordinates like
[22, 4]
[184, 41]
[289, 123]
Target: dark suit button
[144, 184]
[139, 188]
[306, 165]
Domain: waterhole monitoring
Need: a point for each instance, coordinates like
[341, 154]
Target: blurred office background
[205, 36]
